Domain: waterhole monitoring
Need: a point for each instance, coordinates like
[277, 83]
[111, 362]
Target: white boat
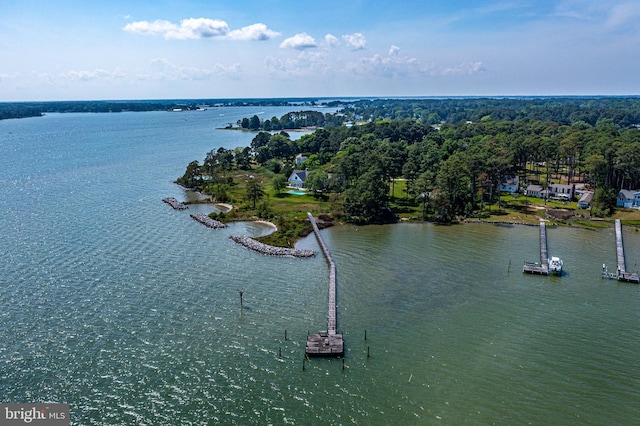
[555, 265]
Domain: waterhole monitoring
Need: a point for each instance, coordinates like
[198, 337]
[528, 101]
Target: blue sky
[74, 50]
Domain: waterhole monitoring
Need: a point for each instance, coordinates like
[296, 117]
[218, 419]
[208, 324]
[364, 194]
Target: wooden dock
[622, 273]
[541, 268]
[329, 342]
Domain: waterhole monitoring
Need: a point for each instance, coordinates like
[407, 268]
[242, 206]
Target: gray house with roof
[629, 198]
[297, 178]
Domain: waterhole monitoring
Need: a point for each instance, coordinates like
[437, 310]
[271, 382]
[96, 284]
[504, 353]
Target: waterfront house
[628, 197]
[585, 200]
[297, 178]
[534, 191]
[561, 192]
[510, 184]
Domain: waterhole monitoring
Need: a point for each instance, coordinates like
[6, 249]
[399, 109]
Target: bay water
[129, 311]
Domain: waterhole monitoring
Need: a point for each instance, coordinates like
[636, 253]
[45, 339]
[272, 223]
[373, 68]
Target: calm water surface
[129, 311]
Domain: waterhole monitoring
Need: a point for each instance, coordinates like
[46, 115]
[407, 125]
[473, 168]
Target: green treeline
[449, 170]
[35, 109]
[292, 120]
[621, 111]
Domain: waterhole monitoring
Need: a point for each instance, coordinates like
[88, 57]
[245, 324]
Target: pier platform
[329, 342]
[541, 268]
[622, 274]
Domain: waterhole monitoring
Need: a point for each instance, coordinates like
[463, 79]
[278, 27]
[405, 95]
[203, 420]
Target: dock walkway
[329, 342]
[622, 273]
[541, 268]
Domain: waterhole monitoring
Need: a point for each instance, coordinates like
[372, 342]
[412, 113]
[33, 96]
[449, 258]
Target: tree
[422, 189]
[366, 200]
[278, 183]
[280, 147]
[192, 177]
[261, 139]
[316, 181]
[254, 191]
[242, 157]
[453, 183]
[254, 123]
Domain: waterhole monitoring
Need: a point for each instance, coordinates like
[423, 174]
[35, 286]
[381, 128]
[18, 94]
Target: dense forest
[449, 169]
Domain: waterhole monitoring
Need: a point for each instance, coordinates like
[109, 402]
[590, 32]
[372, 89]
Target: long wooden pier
[541, 268]
[622, 273]
[327, 342]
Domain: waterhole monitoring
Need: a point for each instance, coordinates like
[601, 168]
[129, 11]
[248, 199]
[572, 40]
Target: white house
[534, 191]
[510, 184]
[297, 178]
[561, 192]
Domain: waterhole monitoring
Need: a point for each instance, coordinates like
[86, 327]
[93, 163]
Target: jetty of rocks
[268, 250]
[207, 221]
[177, 205]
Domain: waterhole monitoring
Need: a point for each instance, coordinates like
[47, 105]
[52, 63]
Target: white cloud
[88, 75]
[623, 14]
[467, 68]
[331, 40]
[299, 41]
[306, 64]
[150, 28]
[166, 70]
[253, 32]
[196, 28]
[392, 65]
[397, 65]
[355, 41]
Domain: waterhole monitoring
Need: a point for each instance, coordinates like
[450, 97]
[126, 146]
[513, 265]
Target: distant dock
[621, 272]
[327, 342]
[541, 268]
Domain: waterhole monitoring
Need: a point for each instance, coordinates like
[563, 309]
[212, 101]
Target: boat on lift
[555, 265]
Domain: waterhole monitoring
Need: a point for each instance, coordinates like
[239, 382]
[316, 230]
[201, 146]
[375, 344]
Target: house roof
[534, 188]
[510, 180]
[301, 174]
[587, 197]
[628, 193]
[560, 185]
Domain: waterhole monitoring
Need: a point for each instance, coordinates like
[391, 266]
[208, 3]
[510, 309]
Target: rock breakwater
[177, 205]
[207, 221]
[268, 250]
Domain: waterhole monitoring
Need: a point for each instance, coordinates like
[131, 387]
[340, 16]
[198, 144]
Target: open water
[129, 311]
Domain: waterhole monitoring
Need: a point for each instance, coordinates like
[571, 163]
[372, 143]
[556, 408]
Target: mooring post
[240, 291]
[279, 352]
[365, 334]
[285, 334]
[367, 351]
[303, 359]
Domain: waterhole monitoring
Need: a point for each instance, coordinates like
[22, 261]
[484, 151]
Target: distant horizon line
[329, 98]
